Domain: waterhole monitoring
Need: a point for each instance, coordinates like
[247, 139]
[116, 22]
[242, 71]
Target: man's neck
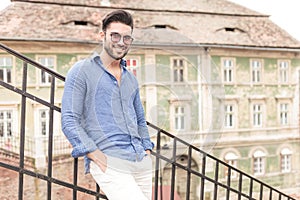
[109, 62]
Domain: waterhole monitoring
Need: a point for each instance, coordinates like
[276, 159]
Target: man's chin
[120, 56]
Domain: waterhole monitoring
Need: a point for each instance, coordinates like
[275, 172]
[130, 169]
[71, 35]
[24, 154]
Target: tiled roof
[215, 6]
[215, 22]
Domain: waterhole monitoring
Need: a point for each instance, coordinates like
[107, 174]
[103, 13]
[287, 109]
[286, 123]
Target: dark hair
[117, 16]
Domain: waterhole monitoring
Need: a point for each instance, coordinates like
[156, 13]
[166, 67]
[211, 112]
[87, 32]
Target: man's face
[117, 40]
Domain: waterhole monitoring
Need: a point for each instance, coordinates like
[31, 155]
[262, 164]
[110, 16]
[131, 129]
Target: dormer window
[79, 23]
[160, 26]
[231, 29]
[227, 29]
[82, 23]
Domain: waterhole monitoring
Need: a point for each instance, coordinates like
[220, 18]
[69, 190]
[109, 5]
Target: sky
[284, 13]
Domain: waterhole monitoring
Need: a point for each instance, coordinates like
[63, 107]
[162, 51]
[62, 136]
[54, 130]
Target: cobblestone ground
[36, 189]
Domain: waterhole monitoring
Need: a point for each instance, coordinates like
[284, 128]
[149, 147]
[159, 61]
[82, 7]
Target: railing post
[188, 181]
[228, 183]
[203, 177]
[75, 178]
[261, 192]
[50, 138]
[216, 180]
[240, 186]
[22, 131]
[251, 188]
[157, 166]
[173, 169]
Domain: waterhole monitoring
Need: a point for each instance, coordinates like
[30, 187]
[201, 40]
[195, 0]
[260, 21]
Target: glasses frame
[116, 37]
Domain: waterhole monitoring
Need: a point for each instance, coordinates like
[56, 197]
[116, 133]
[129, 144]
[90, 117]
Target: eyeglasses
[116, 37]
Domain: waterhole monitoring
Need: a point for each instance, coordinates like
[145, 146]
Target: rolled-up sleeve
[73, 102]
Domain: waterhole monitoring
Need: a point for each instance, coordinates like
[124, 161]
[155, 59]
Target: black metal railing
[211, 179]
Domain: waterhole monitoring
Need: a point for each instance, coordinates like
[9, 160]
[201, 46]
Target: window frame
[284, 74]
[231, 113]
[231, 159]
[137, 68]
[256, 74]
[185, 104]
[5, 68]
[257, 115]
[259, 163]
[176, 70]
[286, 113]
[226, 69]
[43, 120]
[286, 160]
[261, 102]
[39, 72]
[14, 120]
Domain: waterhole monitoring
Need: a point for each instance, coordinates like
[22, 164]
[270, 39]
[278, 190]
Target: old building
[218, 75]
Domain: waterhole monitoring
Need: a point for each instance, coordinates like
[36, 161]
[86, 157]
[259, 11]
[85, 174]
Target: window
[44, 121]
[231, 159]
[132, 65]
[256, 71]
[286, 160]
[228, 70]
[6, 123]
[5, 69]
[229, 116]
[283, 113]
[180, 114]
[178, 69]
[179, 118]
[47, 62]
[257, 115]
[259, 162]
[283, 71]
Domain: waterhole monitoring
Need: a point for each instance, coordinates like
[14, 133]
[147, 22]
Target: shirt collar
[96, 56]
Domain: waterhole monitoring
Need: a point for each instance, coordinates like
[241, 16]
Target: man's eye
[126, 37]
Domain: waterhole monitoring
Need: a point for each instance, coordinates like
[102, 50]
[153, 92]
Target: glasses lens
[115, 37]
[127, 39]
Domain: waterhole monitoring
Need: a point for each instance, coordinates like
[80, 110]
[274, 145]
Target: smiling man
[103, 118]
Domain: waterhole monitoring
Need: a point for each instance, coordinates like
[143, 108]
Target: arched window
[231, 159]
[259, 162]
[285, 160]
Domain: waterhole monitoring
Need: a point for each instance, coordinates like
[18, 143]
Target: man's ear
[102, 35]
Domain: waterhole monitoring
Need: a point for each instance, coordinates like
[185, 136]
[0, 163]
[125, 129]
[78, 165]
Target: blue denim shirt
[97, 112]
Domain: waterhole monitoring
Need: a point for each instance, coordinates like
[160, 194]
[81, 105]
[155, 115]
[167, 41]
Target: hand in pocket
[99, 159]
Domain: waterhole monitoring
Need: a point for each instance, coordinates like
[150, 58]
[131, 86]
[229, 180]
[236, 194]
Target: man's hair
[117, 16]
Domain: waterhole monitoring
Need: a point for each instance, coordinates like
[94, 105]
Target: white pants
[124, 179]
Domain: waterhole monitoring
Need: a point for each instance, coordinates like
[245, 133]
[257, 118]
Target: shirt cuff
[148, 145]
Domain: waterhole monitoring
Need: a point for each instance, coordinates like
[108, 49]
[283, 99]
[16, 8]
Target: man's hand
[99, 159]
[148, 152]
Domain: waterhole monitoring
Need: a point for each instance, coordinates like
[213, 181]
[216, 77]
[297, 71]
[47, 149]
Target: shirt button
[115, 82]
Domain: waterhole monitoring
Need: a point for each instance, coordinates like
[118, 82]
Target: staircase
[205, 182]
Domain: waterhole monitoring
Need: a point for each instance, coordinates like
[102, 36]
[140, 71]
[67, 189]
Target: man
[103, 118]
